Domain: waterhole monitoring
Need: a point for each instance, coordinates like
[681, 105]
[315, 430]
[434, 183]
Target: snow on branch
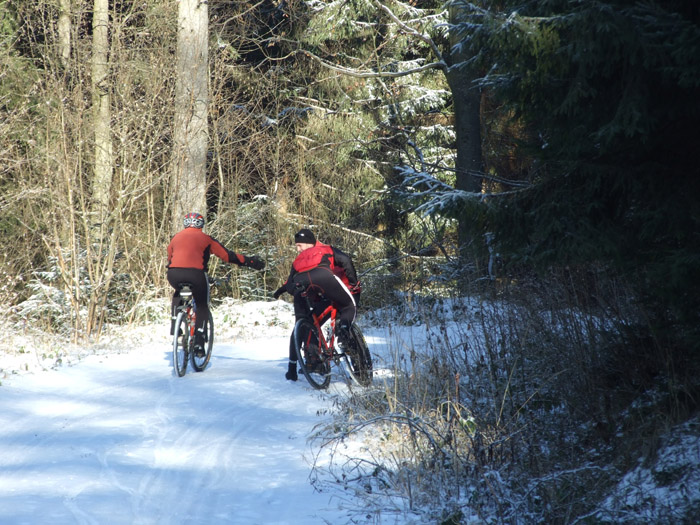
[358, 73]
[409, 30]
[437, 196]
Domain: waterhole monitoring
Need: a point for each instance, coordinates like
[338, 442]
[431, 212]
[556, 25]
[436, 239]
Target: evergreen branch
[480, 174]
[421, 36]
[402, 254]
[370, 74]
[435, 196]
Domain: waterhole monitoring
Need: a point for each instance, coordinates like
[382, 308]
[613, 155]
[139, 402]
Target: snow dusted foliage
[48, 305]
[661, 489]
[338, 18]
[431, 194]
[62, 305]
[477, 421]
[342, 19]
[418, 99]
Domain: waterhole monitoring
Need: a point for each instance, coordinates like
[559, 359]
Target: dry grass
[526, 406]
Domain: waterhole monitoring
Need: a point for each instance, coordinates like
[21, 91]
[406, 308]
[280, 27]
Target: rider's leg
[200, 293]
[300, 310]
[345, 304]
[292, 366]
[174, 303]
[336, 291]
[175, 277]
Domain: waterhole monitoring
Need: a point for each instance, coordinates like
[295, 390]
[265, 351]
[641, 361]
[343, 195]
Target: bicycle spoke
[181, 342]
[357, 358]
[199, 363]
[307, 344]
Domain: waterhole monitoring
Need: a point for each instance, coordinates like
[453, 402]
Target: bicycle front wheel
[200, 363]
[181, 342]
[311, 360]
[358, 360]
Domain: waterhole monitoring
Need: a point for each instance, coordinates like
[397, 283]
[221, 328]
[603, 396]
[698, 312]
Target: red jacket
[318, 255]
[191, 248]
[325, 256]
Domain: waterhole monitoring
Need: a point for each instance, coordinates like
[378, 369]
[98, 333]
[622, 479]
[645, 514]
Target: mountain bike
[183, 335]
[317, 346]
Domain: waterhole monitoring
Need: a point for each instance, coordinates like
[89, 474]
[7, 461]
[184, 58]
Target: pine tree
[611, 90]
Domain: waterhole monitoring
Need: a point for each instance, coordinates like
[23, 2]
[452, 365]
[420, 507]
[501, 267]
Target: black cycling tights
[200, 291]
[332, 288]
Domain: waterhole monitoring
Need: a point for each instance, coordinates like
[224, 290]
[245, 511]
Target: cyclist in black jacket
[333, 272]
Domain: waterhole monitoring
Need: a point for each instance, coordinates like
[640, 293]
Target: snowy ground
[115, 437]
[107, 434]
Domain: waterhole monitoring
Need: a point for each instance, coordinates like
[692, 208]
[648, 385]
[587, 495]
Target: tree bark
[190, 132]
[102, 173]
[64, 31]
[466, 97]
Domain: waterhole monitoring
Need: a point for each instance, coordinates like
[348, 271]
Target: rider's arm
[229, 256]
[288, 285]
[345, 262]
[170, 254]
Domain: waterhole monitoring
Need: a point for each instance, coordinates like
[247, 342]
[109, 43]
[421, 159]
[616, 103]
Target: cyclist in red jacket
[333, 272]
[188, 260]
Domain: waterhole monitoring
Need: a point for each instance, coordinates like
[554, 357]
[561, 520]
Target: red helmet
[194, 220]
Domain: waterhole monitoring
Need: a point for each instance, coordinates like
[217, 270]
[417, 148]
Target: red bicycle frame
[319, 319]
[192, 317]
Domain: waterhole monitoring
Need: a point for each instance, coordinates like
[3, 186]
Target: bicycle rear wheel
[312, 362]
[181, 343]
[358, 360]
[200, 363]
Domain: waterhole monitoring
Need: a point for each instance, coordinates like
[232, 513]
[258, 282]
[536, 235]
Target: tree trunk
[102, 173]
[100, 245]
[467, 104]
[467, 110]
[191, 105]
[64, 32]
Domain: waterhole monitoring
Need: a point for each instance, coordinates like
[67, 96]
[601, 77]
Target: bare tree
[64, 27]
[104, 164]
[190, 131]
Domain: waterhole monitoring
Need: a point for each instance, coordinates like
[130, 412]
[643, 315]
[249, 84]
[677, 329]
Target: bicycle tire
[358, 360]
[200, 363]
[306, 344]
[181, 343]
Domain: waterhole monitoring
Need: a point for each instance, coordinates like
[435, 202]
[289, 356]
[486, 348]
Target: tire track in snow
[118, 439]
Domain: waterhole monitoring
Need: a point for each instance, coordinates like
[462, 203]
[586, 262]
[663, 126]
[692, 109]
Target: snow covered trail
[118, 439]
